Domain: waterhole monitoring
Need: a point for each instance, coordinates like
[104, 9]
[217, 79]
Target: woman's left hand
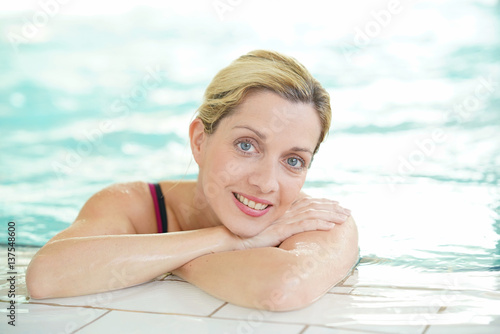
[322, 208]
[305, 214]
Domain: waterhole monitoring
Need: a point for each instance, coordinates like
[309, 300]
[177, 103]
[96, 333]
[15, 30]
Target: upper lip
[255, 199]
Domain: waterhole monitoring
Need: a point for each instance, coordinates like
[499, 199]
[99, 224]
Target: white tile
[348, 311]
[327, 330]
[158, 296]
[341, 289]
[55, 319]
[463, 329]
[133, 322]
[465, 308]
[352, 280]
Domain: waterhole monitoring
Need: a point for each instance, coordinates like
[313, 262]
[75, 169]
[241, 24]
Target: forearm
[323, 259]
[336, 252]
[251, 278]
[301, 270]
[84, 265]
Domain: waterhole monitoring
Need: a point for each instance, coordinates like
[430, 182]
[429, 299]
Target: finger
[314, 213]
[325, 205]
[287, 230]
[307, 201]
[315, 225]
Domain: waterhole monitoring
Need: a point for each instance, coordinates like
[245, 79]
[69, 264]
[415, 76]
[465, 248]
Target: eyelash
[302, 161]
[244, 141]
[251, 142]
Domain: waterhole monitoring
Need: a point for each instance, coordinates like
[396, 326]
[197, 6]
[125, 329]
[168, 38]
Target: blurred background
[93, 93]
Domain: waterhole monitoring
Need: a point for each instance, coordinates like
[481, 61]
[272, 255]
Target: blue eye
[245, 146]
[295, 162]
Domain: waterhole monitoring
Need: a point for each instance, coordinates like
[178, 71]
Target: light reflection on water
[421, 200]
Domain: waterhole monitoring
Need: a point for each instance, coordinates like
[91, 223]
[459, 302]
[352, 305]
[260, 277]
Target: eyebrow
[264, 137]
[257, 132]
[301, 149]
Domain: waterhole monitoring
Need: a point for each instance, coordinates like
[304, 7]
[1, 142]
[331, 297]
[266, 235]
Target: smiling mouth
[251, 204]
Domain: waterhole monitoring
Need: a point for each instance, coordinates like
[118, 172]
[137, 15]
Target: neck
[198, 213]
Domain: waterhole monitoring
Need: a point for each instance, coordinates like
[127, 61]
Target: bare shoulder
[122, 208]
[129, 198]
[178, 192]
[179, 196]
[178, 187]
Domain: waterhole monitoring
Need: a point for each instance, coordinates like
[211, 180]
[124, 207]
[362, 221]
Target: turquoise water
[90, 100]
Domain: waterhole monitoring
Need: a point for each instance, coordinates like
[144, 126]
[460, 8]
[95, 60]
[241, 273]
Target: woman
[243, 231]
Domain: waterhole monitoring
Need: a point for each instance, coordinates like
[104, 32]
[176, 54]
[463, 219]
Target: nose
[264, 175]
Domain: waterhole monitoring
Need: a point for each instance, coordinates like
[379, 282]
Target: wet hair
[263, 70]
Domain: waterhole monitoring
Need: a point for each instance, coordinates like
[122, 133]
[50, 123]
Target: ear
[197, 137]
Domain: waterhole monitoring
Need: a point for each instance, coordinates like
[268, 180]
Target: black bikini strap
[161, 206]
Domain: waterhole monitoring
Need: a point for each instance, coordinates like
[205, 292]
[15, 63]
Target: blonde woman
[243, 231]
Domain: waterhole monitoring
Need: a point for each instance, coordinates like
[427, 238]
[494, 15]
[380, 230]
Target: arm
[323, 259]
[110, 246]
[102, 251]
[298, 272]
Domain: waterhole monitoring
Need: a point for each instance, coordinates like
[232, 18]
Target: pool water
[414, 149]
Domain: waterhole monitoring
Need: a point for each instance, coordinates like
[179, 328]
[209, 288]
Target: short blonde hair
[262, 69]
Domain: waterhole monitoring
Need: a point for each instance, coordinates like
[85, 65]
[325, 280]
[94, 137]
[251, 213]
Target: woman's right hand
[305, 214]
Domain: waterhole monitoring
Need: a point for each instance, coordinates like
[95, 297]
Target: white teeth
[251, 204]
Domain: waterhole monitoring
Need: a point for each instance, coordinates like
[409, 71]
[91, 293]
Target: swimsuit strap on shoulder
[160, 209]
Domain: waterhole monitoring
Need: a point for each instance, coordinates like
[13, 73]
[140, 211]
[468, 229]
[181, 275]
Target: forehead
[275, 116]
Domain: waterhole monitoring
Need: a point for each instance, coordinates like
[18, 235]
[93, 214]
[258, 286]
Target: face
[254, 165]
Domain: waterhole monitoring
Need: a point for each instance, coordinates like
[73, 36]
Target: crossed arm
[295, 274]
[103, 251]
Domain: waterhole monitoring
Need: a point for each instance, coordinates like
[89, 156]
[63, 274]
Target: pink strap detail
[157, 209]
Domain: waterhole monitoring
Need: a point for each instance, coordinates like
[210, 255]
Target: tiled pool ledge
[374, 299]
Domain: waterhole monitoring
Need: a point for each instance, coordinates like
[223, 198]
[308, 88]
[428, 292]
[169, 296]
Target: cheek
[290, 190]
[225, 168]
